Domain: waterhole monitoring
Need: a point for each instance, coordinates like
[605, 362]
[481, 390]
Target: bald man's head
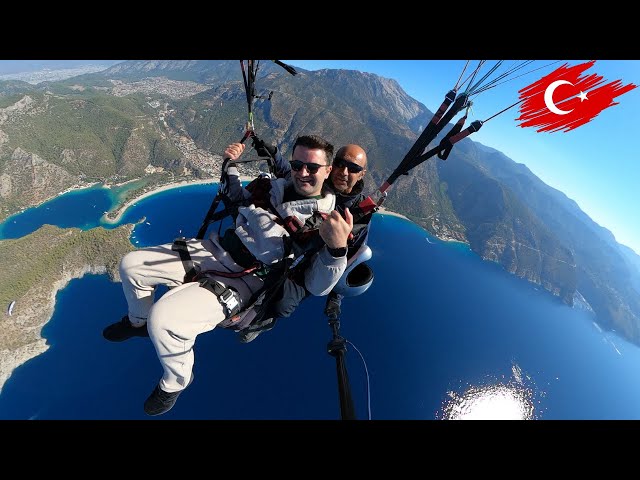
[349, 166]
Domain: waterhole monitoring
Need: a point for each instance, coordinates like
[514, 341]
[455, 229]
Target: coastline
[78, 186]
[121, 209]
[384, 211]
[72, 188]
[36, 320]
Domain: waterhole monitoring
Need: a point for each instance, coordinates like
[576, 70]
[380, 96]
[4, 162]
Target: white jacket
[263, 235]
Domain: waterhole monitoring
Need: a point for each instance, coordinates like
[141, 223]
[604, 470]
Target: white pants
[143, 270]
[175, 321]
[182, 313]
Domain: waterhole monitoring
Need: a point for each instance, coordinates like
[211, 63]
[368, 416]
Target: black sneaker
[160, 402]
[123, 330]
[246, 337]
[249, 335]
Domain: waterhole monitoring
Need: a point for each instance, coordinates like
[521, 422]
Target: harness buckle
[226, 297]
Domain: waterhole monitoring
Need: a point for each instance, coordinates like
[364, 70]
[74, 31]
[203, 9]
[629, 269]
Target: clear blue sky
[597, 164]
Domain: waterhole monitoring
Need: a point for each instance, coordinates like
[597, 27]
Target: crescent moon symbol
[548, 97]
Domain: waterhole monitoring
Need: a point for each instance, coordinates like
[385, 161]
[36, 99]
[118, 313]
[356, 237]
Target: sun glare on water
[500, 401]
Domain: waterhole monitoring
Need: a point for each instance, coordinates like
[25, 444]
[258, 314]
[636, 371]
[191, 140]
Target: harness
[180, 246]
[303, 241]
[225, 295]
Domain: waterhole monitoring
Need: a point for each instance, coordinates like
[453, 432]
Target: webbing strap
[457, 128]
[180, 246]
[412, 158]
[226, 296]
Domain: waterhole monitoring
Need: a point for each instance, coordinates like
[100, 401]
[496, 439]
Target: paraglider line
[367, 372]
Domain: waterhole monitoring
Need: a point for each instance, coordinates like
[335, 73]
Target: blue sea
[440, 334]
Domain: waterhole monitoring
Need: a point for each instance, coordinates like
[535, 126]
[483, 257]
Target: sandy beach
[384, 211]
[122, 209]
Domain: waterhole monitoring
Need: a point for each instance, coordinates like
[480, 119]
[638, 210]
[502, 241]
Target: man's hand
[264, 149]
[335, 230]
[233, 151]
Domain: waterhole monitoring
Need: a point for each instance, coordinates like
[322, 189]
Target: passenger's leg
[141, 271]
[174, 323]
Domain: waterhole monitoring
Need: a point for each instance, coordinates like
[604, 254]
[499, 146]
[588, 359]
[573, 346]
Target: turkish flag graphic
[566, 99]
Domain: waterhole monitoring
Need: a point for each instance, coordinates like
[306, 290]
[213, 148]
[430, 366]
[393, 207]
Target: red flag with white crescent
[566, 99]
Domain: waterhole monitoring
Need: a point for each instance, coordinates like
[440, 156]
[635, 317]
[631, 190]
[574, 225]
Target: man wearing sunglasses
[349, 166]
[346, 180]
[234, 269]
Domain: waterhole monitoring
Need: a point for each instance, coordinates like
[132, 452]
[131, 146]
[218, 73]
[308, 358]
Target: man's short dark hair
[315, 142]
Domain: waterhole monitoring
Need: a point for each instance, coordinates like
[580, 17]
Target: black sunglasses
[312, 168]
[352, 167]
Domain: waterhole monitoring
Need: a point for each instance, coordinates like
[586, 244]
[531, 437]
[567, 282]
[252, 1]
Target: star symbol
[583, 96]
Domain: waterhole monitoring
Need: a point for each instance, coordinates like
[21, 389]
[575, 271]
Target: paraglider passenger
[346, 181]
[230, 280]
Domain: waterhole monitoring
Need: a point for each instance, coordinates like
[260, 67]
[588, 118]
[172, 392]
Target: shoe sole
[117, 340]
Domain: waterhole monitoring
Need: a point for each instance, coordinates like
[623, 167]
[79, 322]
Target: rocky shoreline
[81, 253]
[32, 319]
